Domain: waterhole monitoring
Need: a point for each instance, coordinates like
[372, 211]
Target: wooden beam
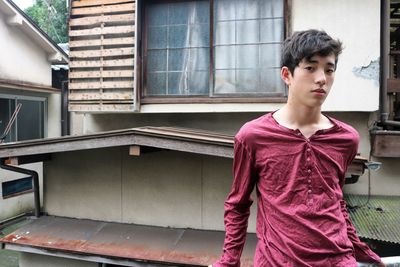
[103, 9]
[28, 159]
[106, 41]
[100, 96]
[103, 85]
[105, 63]
[393, 86]
[98, 74]
[127, 51]
[101, 31]
[84, 3]
[134, 151]
[129, 18]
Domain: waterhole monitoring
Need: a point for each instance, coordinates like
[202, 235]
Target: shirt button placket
[309, 192]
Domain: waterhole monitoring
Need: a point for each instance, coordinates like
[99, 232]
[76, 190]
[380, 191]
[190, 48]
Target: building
[153, 196]
[26, 55]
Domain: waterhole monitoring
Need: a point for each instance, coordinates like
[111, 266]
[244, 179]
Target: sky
[22, 4]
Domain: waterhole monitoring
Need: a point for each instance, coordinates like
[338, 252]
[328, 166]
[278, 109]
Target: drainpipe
[35, 179]
[384, 66]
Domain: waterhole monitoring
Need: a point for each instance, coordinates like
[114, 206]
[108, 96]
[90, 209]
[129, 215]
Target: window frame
[206, 99]
[15, 98]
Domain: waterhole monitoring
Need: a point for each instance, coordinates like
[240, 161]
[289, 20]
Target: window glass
[178, 49]
[248, 37]
[247, 40]
[30, 121]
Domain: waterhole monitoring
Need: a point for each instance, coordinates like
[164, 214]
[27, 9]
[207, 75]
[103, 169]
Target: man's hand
[381, 264]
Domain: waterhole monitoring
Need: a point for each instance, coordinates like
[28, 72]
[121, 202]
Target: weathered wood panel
[85, 21]
[102, 55]
[102, 31]
[85, 3]
[386, 144]
[98, 74]
[393, 85]
[104, 42]
[103, 9]
[100, 96]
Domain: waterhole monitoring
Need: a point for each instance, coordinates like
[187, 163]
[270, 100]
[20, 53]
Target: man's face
[311, 81]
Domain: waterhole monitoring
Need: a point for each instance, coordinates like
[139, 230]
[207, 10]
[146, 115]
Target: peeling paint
[369, 72]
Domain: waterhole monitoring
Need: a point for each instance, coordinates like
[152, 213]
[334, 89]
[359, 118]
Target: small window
[17, 187]
[30, 122]
[244, 38]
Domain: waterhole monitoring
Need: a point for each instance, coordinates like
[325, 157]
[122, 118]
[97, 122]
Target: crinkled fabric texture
[301, 218]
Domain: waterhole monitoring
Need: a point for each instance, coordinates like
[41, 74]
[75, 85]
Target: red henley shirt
[301, 215]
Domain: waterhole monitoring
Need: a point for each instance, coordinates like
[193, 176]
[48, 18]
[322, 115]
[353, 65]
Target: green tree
[51, 17]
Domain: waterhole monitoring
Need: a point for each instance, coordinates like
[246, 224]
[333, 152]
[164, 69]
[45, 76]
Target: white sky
[22, 4]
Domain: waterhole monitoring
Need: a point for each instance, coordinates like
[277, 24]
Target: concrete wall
[21, 58]
[35, 260]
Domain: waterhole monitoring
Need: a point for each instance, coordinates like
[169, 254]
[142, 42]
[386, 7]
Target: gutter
[384, 67]
[35, 179]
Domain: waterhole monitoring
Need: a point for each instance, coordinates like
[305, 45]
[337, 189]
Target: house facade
[209, 65]
[26, 78]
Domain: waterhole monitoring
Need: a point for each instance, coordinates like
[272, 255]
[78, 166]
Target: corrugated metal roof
[378, 220]
[124, 241]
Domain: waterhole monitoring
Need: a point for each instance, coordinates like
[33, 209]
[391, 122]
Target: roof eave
[17, 18]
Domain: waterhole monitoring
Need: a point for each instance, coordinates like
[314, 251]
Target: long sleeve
[362, 252]
[237, 207]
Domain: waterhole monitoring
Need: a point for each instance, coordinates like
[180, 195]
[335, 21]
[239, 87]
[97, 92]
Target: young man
[297, 159]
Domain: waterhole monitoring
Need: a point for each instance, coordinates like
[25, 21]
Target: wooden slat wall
[102, 55]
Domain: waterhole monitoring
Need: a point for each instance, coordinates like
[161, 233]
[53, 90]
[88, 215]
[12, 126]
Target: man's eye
[309, 68]
[330, 71]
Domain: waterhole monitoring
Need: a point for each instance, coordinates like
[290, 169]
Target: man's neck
[297, 117]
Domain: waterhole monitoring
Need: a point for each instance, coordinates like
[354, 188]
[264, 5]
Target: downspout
[35, 179]
[384, 66]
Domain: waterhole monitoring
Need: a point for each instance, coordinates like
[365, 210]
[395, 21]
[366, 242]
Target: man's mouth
[319, 91]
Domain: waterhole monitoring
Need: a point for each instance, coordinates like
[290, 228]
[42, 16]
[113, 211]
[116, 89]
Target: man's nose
[320, 77]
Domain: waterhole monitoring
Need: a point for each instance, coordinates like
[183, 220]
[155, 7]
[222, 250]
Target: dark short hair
[306, 44]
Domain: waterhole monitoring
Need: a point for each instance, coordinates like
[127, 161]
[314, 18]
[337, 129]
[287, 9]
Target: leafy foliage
[51, 17]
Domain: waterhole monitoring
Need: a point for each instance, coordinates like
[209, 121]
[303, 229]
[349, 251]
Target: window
[31, 119]
[233, 53]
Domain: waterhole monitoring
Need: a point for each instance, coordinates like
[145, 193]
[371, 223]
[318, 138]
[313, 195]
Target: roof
[378, 220]
[179, 139]
[18, 18]
[119, 243]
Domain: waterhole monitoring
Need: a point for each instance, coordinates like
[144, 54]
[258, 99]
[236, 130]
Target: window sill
[209, 107]
[214, 100]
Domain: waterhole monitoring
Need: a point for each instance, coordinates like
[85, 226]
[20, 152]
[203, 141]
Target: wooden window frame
[187, 99]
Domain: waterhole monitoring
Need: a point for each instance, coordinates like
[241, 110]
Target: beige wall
[356, 23]
[20, 204]
[21, 58]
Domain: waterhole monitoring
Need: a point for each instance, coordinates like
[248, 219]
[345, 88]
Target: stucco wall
[356, 23]
[21, 58]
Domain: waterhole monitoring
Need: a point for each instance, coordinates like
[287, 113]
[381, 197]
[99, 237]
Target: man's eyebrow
[314, 61]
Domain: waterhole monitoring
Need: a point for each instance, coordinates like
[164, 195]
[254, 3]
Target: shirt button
[308, 150]
[308, 159]
[309, 191]
[309, 181]
[309, 170]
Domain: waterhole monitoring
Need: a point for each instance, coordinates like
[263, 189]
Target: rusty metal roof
[123, 241]
[379, 219]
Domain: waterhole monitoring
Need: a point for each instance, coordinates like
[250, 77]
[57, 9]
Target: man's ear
[286, 75]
